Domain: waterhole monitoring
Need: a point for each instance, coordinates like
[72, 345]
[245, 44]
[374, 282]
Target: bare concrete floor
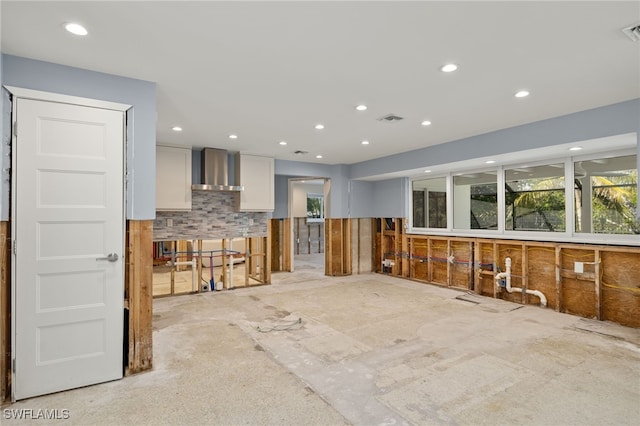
[366, 350]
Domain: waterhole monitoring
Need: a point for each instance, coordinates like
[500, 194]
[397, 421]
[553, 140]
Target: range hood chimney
[215, 172]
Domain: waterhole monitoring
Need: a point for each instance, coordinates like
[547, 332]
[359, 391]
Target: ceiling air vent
[298, 152]
[390, 118]
[633, 32]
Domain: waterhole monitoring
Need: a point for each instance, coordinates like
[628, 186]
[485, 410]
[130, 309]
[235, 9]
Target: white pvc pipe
[507, 276]
[194, 275]
[194, 271]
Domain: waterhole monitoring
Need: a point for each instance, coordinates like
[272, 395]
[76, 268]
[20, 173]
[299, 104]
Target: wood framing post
[338, 243]
[5, 311]
[404, 255]
[267, 259]
[139, 295]
[496, 262]
[200, 265]
[449, 265]
[477, 284]
[274, 240]
[286, 245]
[558, 278]
[470, 266]
[429, 262]
[525, 278]
[598, 285]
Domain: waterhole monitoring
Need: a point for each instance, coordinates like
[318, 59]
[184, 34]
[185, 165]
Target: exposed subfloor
[366, 350]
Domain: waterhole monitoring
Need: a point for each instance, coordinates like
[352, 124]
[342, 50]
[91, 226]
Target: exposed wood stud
[606, 289]
[273, 230]
[5, 311]
[496, 262]
[139, 294]
[286, 245]
[525, 267]
[558, 279]
[199, 263]
[597, 284]
[477, 285]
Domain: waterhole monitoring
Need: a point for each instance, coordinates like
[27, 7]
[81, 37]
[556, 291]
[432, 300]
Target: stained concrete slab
[367, 350]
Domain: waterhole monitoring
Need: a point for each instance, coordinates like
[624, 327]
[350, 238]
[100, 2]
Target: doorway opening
[308, 207]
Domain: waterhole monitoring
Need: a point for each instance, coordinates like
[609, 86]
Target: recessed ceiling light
[490, 161]
[283, 143]
[427, 171]
[232, 136]
[76, 29]
[361, 107]
[575, 148]
[319, 126]
[522, 94]
[318, 156]
[365, 142]
[426, 123]
[449, 68]
[176, 128]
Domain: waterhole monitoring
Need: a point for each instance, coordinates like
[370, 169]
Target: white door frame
[327, 205]
[22, 93]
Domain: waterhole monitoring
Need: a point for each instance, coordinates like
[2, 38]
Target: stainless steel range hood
[215, 172]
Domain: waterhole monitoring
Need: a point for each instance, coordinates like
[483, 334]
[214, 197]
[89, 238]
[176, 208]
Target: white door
[68, 225]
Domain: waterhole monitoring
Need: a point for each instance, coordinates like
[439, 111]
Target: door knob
[111, 257]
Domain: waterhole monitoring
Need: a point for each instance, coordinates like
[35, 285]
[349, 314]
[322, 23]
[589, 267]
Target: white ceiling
[269, 71]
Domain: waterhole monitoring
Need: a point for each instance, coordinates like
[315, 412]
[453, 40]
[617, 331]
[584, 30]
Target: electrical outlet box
[169, 223]
[578, 267]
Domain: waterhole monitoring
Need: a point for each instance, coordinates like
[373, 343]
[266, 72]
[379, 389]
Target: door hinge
[15, 246]
[13, 366]
[15, 129]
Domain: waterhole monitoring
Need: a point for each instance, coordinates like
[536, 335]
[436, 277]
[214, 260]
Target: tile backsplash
[213, 215]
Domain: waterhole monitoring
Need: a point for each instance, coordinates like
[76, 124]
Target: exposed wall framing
[362, 253]
[308, 236]
[279, 231]
[138, 301]
[5, 311]
[258, 260]
[592, 281]
[338, 247]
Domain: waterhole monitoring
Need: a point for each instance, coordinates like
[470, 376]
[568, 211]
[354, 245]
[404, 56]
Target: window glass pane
[315, 207]
[534, 198]
[475, 201]
[606, 195]
[429, 203]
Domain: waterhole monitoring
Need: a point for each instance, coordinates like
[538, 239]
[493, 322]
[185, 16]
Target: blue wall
[361, 199]
[389, 198]
[141, 145]
[338, 174]
[600, 122]
[281, 208]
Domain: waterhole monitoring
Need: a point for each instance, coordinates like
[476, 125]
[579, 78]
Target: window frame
[568, 235]
[316, 196]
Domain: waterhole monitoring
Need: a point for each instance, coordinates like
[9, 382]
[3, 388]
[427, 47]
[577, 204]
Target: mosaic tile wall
[213, 215]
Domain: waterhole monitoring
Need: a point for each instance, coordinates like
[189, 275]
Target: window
[592, 198]
[606, 195]
[315, 207]
[430, 203]
[535, 198]
[475, 201]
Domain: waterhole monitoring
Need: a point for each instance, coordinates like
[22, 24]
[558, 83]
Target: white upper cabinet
[256, 174]
[173, 178]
